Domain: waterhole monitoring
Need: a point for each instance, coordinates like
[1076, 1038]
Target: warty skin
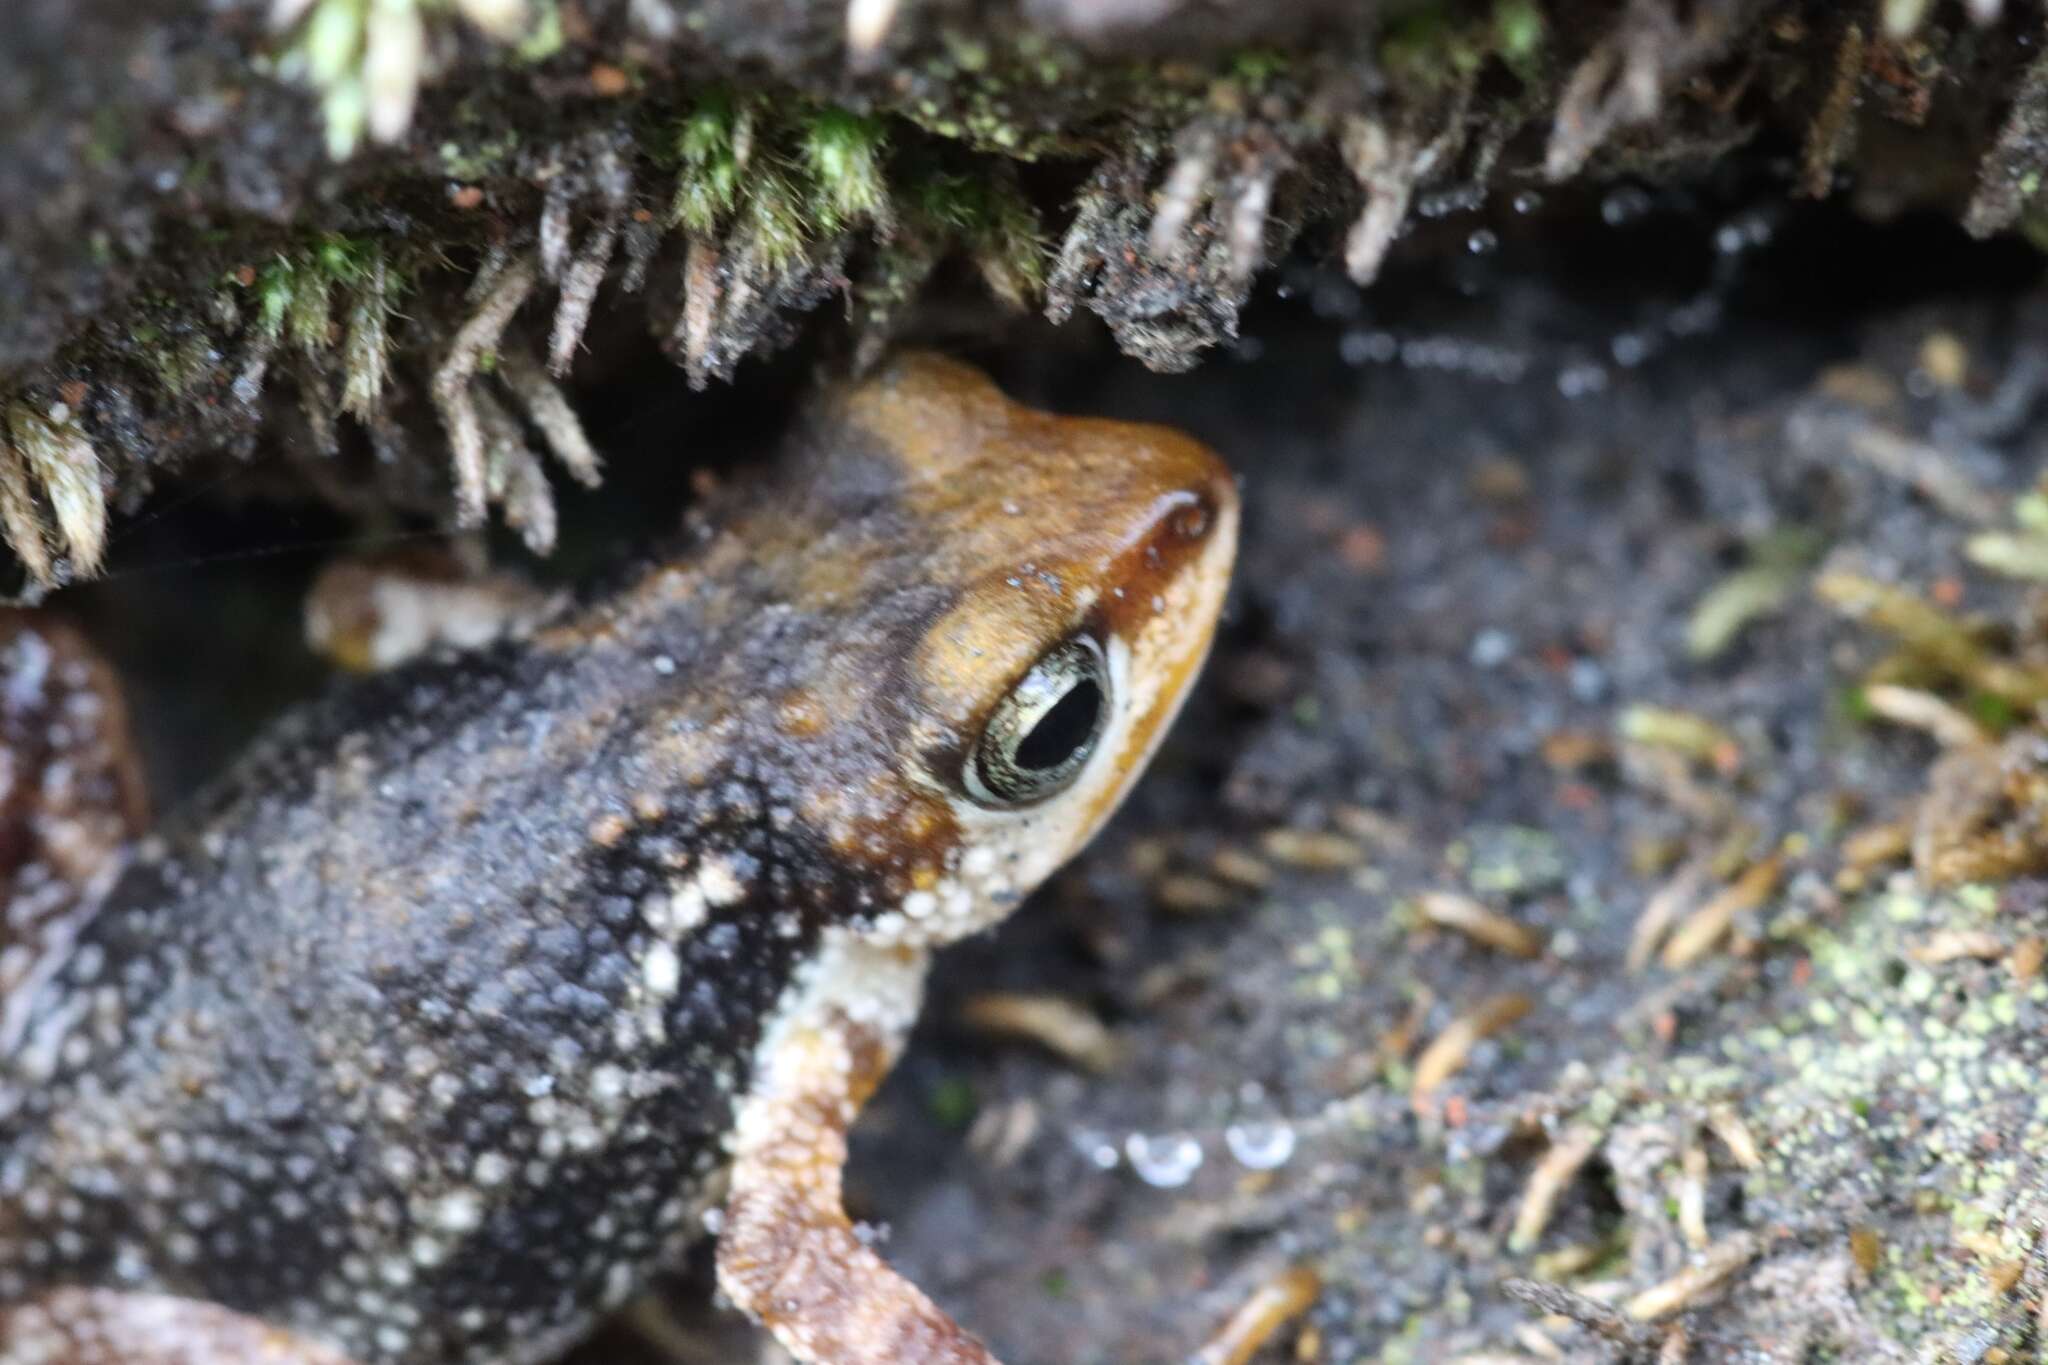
[434, 1029]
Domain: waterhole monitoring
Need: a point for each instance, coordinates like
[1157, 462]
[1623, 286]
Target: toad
[477, 990]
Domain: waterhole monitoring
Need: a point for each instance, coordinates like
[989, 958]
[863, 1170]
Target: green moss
[296, 290]
[844, 154]
[989, 218]
[771, 221]
[1259, 68]
[1430, 51]
[708, 176]
[182, 362]
[1512, 860]
[1518, 33]
[1994, 713]
[545, 39]
[332, 41]
[333, 300]
[110, 139]
[308, 308]
[489, 155]
[953, 1103]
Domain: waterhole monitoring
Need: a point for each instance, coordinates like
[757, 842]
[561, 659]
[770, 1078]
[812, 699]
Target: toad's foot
[108, 1327]
[70, 796]
[788, 1254]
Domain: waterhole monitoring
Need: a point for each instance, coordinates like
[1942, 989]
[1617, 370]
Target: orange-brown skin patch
[1081, 505]
[788, 1251]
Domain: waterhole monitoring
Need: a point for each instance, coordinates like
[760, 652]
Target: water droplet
[1491, 648]
[1456, 199]
[1165, 1162]
[1097, 1148]
[1624, 206]
[1586, 377]
[1630, 349]
[1588, 680]
[1446, 353]
[1482, 241]
[1261, 1144]
[1360, 348]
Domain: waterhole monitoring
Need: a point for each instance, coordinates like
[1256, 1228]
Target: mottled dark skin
[420, 1036]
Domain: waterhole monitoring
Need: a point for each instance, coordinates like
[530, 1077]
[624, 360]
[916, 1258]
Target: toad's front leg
[70, 797]
[788, 1254]
[111, 1327]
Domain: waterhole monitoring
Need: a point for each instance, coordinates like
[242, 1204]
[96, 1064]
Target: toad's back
[423, 1034]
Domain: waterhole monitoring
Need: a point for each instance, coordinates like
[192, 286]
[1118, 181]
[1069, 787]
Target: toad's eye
[1041, 734]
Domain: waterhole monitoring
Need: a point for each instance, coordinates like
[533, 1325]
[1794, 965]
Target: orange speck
[1665, 1026]
[73, 391]
[466, 196]
[801, 715]
[1363, 549]
[1947, 591]
[1577, 796]
[245, 275]
[1457, 1111]
[1570, 751]
[1802, 971]
[609, 81]
[1510, 532]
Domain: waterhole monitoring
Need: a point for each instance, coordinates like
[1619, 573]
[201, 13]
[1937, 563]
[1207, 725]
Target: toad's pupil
[1063, 729]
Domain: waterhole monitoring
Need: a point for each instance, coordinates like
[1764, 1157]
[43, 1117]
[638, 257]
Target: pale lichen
[47, 462]
[366, 58]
